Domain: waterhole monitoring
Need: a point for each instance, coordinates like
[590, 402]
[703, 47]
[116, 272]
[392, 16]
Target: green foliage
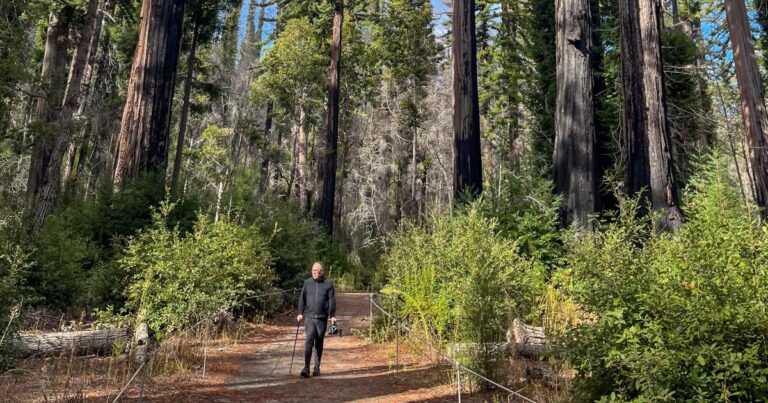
[673, 318]
[527, 212]
[295, 67]
[75, 250]
[459, 280]
[65, 253]
[181, 281]
[294, 242]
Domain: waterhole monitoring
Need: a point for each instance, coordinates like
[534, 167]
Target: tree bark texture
[145, 126]
[80, 342]
[301, 163]
[468, 170]
[185, 108]
[751, 94]
[326, 170]
[647, 146]
[53, 77]
[575, 157]
[50, 186]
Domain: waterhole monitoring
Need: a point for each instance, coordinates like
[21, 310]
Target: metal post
[458, 380]
[397, 344]
[205, 351]
[370, 315]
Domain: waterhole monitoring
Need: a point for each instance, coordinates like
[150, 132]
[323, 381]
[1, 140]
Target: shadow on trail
[340, 386]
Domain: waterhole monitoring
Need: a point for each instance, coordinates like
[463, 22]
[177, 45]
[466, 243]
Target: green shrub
[526, 210]
[294, 242]
[76, 250]
[458, 280]
[65, 253]
[180, 281]
[673, 318]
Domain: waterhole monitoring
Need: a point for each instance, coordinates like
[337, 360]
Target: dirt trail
[352, 370]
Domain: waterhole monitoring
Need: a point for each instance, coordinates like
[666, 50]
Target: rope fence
[459, 367]
[151, 355]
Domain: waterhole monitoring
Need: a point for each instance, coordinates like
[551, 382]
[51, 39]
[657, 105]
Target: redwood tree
[467, 165]
[326, 170]
[751, 94]
[53, 77]
[575, 159]
[644, 122]
[50, 184]
[145, 126]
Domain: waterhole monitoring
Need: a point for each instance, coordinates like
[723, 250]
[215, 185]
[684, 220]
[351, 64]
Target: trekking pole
[294, 346]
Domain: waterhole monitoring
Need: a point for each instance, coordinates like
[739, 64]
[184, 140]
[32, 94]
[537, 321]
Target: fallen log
[522, 340]
[529, 341]
[80, 342]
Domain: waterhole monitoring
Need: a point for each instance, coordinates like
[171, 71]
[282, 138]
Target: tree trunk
[752, 103]
[145, 126]
[467, 170]
[326, 170]
[50, 186]
[644, 122]
[575, 158]
[675, 12]
[53, 78]
[301, 165]
[185, 108]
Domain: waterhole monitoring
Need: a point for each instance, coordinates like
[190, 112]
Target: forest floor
[256, 367]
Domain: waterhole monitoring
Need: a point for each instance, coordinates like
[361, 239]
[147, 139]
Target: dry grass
[69, 378]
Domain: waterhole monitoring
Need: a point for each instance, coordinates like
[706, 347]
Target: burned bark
[575, 156]
[468, 170]
[644, 122]
[185, 107]
[326, 170]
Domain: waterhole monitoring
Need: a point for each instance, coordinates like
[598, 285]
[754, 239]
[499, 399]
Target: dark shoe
[305, 373]
[316, 372]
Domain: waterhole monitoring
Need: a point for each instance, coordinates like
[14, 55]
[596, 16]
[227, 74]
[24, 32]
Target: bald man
[318, 302]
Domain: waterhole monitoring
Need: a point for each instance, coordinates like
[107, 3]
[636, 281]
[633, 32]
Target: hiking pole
[294, 346]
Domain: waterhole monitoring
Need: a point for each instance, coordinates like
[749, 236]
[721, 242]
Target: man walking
[318, 302]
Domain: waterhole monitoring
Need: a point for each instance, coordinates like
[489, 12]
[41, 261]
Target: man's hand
[333, 320]
[299, 318]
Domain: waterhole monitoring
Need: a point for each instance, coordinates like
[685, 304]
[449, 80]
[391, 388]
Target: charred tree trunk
[467, 170]
[145, 126]
[644, 121]
[326, 170]
[53, 78]
[752, 103]
[185, 108]
[50, 186]
[575, 157]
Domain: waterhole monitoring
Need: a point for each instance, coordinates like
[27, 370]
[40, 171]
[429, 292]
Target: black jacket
[318, 299]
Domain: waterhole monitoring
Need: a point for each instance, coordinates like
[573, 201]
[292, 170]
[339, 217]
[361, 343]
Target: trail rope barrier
[205, 348]
[459, 367]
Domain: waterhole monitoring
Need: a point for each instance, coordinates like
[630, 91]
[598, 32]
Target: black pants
[315, 331]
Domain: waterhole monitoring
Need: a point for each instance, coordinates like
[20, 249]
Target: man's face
[317, 272]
